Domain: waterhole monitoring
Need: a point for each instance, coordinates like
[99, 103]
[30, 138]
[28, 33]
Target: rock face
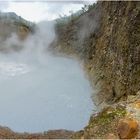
[11, 23]
[14, 28]
[107, 38]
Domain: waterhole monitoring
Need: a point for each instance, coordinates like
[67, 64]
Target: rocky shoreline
[6, 133]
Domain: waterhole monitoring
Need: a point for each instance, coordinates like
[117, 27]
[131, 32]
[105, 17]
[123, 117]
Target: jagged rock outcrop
[127, 128]
[107, 38]
[11, 23]
[15, 29]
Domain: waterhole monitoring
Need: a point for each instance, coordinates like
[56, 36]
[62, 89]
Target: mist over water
[40, 91]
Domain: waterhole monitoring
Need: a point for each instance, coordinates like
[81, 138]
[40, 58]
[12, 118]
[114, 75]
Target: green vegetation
[103, 123]
[108, 115]
[63, 20]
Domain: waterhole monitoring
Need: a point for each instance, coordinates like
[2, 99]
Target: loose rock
[127, 128]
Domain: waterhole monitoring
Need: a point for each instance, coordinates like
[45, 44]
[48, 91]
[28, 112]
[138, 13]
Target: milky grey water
[39, 94]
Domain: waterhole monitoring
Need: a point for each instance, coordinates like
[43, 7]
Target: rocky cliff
[11, 24]
[107, 38]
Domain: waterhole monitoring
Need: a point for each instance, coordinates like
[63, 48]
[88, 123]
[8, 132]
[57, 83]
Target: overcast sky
[36, 11]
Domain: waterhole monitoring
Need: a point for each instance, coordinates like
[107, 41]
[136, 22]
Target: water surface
[43, 93]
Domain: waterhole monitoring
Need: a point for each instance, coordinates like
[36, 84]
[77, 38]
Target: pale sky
[40, 10]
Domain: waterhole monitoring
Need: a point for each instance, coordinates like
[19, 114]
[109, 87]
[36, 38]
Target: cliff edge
[107, 39]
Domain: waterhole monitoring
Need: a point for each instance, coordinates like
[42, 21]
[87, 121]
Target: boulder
[127, 128]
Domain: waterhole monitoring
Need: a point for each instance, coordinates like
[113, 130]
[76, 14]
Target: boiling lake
[43, 93]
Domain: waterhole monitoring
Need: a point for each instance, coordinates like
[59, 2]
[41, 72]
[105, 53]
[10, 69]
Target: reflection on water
[42, 94]
[12, 69]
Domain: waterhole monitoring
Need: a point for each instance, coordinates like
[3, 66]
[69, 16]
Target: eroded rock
[127, 128]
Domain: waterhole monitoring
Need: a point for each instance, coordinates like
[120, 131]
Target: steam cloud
[38, 90]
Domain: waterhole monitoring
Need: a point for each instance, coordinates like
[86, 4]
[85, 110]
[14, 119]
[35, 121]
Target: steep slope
[107, 38]
[11, 24]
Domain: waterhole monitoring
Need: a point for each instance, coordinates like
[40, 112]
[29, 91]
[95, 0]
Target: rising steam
[40, 91]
